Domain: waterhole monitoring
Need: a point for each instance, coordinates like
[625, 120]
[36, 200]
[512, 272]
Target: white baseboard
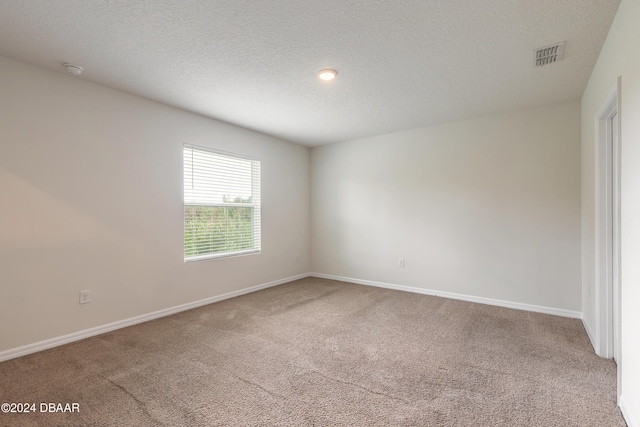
[76, 336]
[626, 413]
[469, 298]
[589, 334]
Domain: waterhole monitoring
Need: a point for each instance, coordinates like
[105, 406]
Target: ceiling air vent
[548, 55]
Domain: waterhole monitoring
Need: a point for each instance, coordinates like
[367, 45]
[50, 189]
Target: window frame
[256, 205]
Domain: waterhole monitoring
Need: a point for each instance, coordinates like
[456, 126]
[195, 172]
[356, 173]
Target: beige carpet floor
[318, 352]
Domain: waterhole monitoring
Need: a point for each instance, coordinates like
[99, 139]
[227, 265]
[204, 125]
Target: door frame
[607, 193]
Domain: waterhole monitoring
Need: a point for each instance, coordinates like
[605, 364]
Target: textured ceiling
[402, 63]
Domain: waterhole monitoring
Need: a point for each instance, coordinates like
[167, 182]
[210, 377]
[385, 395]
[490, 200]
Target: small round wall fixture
[327, 74]
[73, 69]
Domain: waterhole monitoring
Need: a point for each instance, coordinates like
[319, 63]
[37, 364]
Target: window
[221, 204]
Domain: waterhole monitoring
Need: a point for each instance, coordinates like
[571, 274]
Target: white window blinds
[221, 204]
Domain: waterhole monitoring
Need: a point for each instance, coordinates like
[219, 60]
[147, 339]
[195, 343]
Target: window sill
[221, 256]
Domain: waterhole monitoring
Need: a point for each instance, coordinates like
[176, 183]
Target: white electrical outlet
[401, 262]
[297, 258]
[85, 297]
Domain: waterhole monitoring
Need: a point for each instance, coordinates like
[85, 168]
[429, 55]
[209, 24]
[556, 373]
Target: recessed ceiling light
[327, 74]
[73, 69]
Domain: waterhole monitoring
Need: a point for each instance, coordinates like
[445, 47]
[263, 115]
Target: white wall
[91, 198]
[620, 56]
[488, 207]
